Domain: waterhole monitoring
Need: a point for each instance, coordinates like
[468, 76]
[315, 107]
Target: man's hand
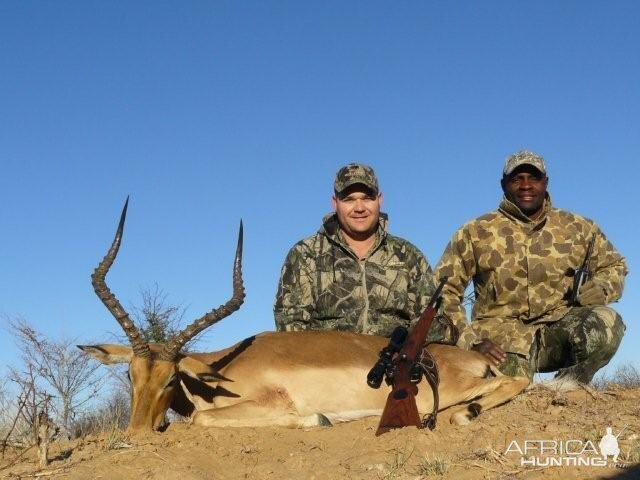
[490, 350]
[592, 294]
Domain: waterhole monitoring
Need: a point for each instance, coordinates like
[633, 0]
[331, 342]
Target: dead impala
[291, 379]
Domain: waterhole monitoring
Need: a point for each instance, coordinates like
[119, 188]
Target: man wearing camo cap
[522, 258]
[352, 274]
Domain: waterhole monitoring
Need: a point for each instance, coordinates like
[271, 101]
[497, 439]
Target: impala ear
[108, 353]
[208, 377]
[197, 370]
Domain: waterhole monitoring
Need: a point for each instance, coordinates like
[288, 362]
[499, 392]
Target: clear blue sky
[208, 112]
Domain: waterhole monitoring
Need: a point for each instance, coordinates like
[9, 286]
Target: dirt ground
[352, 451]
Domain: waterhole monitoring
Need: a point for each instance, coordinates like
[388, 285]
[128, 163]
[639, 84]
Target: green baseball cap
[523, 157]
[355, 173]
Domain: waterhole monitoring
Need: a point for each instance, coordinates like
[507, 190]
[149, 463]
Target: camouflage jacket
[324, 286]
[522, 272]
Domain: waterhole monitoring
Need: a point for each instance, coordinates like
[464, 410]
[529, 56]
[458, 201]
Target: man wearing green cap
[353, 275]
[523, 258]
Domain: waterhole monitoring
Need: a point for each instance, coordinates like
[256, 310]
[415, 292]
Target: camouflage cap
[523, 157]
[355, 173]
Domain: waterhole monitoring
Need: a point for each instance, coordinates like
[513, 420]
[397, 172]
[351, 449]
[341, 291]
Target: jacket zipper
[364, 317]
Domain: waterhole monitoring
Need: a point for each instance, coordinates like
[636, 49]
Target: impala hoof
[323, 421]
[460, 418]
[464, 416]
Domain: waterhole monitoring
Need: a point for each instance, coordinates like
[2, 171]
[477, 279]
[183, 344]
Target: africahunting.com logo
[567, 453]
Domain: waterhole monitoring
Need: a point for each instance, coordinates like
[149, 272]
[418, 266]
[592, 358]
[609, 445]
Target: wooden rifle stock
[401, 409]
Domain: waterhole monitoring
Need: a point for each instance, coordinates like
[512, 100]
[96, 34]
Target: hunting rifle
[403, 363]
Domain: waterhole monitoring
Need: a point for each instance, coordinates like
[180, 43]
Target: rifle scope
[384, 363]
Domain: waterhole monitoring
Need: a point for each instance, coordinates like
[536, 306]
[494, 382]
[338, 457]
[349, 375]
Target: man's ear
[108, 353]
[380, 198]
[503, 181]
[334, 203]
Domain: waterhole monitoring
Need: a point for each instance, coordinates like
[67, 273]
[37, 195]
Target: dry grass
[112, 415]
[593, 435]
[398, 462]
[433, 465]
[631, 454]
[115, 439]
[624, 377]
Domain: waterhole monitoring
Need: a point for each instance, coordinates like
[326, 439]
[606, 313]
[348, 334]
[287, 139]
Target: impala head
[155, 369]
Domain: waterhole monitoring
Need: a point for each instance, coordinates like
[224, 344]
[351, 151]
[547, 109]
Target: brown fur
[297, 379]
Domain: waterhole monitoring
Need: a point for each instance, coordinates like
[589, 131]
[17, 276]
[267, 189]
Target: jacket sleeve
[294, 303]
[458, 264]
[608, 267]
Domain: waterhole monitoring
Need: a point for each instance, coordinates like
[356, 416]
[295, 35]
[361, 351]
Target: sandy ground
[352, 451]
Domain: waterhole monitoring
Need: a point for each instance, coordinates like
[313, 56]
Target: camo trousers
[577, 345]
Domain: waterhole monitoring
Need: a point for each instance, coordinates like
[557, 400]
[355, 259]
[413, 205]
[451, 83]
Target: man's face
[358, 211]
[526, 186]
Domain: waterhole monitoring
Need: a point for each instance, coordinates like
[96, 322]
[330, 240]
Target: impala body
[289, 379]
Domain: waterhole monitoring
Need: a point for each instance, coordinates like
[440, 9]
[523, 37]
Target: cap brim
[510, 171]
[357, 182]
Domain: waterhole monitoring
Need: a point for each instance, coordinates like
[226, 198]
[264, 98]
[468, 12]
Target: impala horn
[174, 345]
[139, 345]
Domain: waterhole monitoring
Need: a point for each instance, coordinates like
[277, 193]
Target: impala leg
[491, 392]
[251, 414]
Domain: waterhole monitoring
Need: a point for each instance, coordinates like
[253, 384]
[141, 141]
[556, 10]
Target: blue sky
[208, 112]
